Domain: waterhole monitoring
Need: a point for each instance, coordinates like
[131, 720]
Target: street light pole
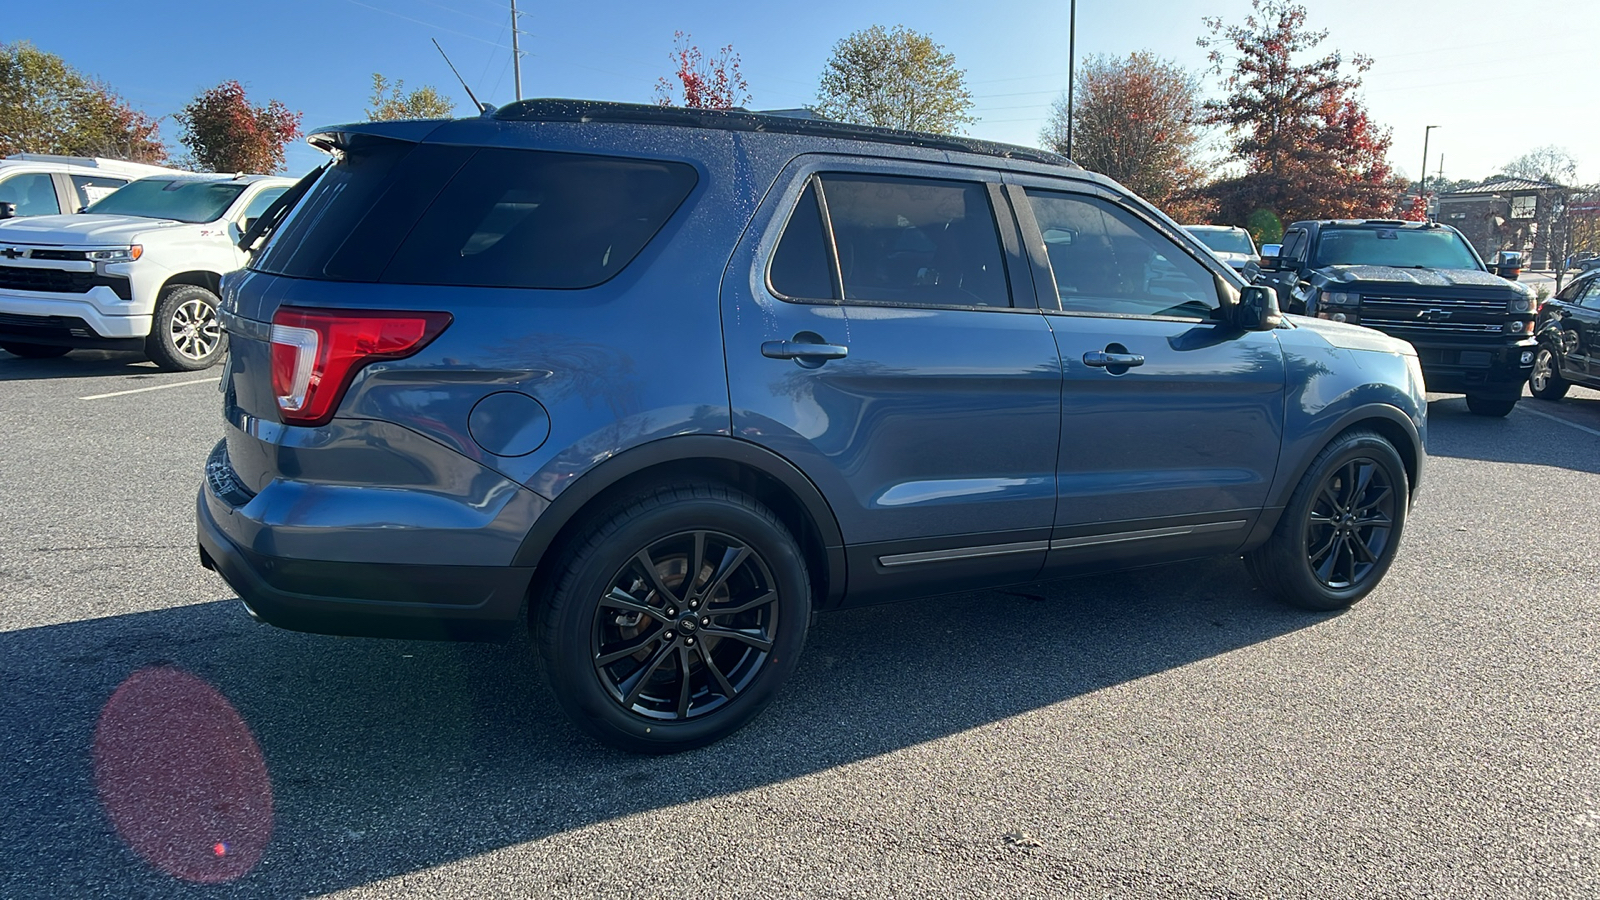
[1072, 55]
[1422, 186]
[516, 51]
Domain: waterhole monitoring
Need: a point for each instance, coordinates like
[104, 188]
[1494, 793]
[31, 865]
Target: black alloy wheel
[685, 626]
[1350, 523]
[675, 617]
[1341, 529]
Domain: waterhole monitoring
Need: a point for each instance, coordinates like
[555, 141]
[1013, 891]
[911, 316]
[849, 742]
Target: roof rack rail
[737, 119]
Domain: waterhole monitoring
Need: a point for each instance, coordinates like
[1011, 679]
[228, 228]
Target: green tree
[224, 133]
[894, 79]
[1137, 120]
[46, 106]
[391, 101]
[1309, 147]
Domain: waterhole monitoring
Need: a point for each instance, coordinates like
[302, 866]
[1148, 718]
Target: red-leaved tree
[224, 133]
[1309, 147]
[699, 82]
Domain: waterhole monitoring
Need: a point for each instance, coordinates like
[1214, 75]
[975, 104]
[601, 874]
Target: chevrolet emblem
[1434, 314]
[13, 253]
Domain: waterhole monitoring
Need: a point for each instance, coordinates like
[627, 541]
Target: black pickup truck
[1421, 282]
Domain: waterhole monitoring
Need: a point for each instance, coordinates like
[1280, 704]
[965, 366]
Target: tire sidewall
[159, 346]
[567, 634]
[1554, 386]
[1307, 586]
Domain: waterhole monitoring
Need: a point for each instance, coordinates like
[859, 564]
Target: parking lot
[1169, 732]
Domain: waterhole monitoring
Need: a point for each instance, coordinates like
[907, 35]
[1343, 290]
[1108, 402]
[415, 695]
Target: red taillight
[317, 352]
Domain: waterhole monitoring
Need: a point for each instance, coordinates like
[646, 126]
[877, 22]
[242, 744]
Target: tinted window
[1106, 260]
[259, 203]
[93, 188]
[1591, 294]
[1402, 247]
[523, 218]
[359, 209]
[181, 200]
[33, 193]
[916, 241]
[800, 265]
[1294, 245]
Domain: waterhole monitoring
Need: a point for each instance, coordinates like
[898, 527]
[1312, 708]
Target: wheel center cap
[688, 625]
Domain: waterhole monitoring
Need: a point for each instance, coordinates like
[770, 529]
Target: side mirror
[1270, 261]
[249, 224]
[1507, 264]
[1256, 310]
[1271, 249]
[8, 210]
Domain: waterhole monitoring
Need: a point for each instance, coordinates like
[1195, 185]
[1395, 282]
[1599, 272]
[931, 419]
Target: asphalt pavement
[1164, 733]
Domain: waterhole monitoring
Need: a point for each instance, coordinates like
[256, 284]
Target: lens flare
[181, 777]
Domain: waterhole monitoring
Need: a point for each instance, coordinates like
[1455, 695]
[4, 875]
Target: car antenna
[482, 107]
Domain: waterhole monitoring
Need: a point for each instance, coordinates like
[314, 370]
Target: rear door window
[91, 189]
[259, 203]
[916, 241]
[801, 267]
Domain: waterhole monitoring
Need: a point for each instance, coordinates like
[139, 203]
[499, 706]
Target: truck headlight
[1519, 328]
[1520, 305]
[125, 254]
[1342, 299]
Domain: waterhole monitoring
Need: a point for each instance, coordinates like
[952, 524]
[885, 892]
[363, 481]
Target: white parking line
[157, 387]
[1545, 415]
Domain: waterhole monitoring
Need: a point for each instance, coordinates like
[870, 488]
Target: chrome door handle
[1099, 359]
[803, 350]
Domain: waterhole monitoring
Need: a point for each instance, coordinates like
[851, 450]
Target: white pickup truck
[140, 269]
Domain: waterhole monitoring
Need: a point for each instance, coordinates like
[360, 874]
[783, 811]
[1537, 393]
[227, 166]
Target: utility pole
[1422, 186]
[516, 51]
[1072, 55]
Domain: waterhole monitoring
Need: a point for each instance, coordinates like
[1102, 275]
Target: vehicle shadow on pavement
[386, 757]
[77, 364]
[1520, 438]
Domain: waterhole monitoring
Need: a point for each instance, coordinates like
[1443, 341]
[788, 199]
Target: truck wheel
[35, 351]
[676, 620]
[1341, 528]
[1545, 381]
[185, 333]
[1499, 407]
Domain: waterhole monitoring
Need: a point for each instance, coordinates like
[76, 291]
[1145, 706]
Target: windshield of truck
[181, 200]
[1399, 247]
[1226, 241]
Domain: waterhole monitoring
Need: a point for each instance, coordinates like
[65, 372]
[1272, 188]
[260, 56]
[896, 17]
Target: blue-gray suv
[672, 381]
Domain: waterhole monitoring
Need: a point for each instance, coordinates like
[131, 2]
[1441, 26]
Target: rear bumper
[366, 599]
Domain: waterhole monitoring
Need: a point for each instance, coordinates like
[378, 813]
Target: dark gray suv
[672, 381]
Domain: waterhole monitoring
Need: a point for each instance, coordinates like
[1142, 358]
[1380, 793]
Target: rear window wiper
[273, 215]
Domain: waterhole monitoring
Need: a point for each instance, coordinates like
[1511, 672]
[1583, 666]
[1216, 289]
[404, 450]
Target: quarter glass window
[800, 266]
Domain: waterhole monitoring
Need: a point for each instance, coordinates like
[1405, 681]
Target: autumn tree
[699, 82]
[1308, 146]
[1550, 164]
[224, 133]
[46, 106]
[1137, 120]
[391, 101]
[894, 79]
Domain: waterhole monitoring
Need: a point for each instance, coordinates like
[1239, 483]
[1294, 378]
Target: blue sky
[1497, 84]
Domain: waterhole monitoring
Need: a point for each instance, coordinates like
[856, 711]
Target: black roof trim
[557, 110]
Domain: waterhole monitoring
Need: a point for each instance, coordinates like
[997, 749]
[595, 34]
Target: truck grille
[1434, 316]
[60, 281]
[19, 279]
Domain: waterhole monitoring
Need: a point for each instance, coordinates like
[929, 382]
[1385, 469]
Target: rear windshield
[441, 215]
[181, 200]
[1226, 241]
[1397, 247]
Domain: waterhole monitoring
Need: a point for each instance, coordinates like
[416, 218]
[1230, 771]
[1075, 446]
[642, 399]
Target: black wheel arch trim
[1412, 454]
[575, 498]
